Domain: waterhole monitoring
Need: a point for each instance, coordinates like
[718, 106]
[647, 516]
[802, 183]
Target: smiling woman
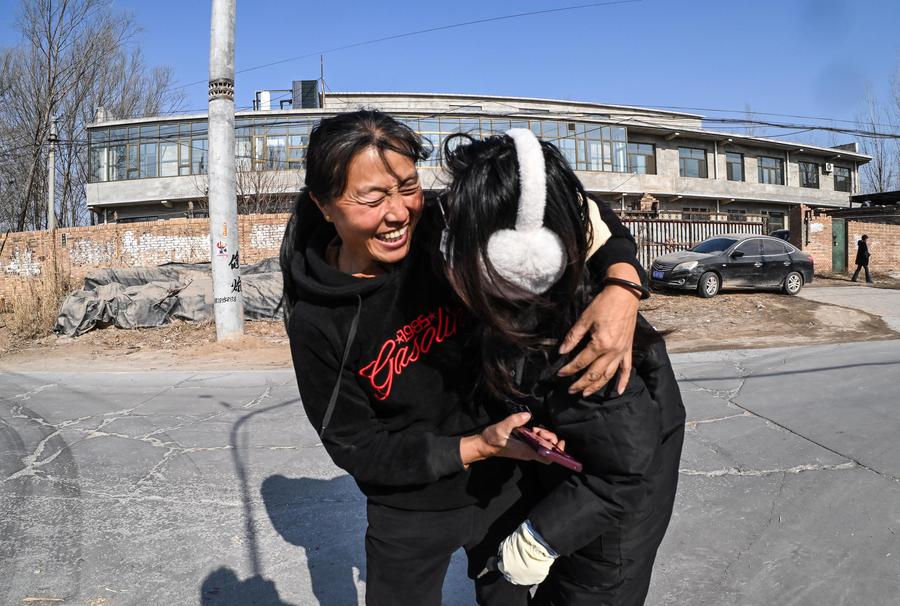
[377, 213]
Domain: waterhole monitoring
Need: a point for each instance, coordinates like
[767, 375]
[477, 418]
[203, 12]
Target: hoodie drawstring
[351, 336]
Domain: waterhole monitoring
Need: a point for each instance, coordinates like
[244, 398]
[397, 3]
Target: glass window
[184, 158]
[734, 166]
[133, 165]
[199, 156]
[771, 170]
[567, 147]
[276, 153]
[842, 180]
[714, 245]
[98, 163]
[242, 154]
[148, 159]
[771, 247]
[550, 129]
[297, 150]
[620, 156]
[809, 174]
[470, 126]
[117, 163]
[499, 126]
[694, 213]
[168, 159]
[750, 248]
[149, 132]
[430, 126]
[692, 162]
[168, 131]
[641, 158]
[737, 215]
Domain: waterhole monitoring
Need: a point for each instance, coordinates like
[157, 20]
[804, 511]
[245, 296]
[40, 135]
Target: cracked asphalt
[210, 487]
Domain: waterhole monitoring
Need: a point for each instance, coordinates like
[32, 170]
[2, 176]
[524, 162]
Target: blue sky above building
[804, 57]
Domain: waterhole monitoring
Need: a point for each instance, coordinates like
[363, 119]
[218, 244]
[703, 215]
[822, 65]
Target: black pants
[856, 273]
[408, 552]
[615, 569]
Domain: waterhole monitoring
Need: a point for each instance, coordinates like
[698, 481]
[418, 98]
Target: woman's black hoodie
[401, 408]
[396, 341]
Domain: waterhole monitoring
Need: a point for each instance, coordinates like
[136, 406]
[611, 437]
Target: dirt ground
[880, 280]
[733, 320]
[727, 321]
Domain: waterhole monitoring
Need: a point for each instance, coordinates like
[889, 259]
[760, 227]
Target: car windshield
[714, 245]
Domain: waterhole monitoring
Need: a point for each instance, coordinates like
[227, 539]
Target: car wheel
[792, 283]
[708, 286]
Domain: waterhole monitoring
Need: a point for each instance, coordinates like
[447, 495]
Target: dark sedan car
[734, 261]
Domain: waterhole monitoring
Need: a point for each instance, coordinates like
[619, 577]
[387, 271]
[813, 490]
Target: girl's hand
[611, 319]
[546, 434]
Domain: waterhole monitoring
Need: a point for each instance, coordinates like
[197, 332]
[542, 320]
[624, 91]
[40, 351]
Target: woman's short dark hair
[482, 198]
[335, 141]
[333, 144]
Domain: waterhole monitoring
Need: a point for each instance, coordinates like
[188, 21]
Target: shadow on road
[327, 519]
[222, 588]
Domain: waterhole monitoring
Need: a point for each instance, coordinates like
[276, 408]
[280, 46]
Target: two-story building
[640, 160]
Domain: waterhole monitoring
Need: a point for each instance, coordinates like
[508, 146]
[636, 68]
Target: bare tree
[72, 57]
[259, 190]
[881, 172]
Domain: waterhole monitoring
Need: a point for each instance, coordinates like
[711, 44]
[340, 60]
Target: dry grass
[34, 302]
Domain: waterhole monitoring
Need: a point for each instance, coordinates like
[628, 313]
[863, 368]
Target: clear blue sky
[809, 57]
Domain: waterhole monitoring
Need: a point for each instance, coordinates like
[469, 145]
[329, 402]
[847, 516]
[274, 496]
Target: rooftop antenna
[322, 77]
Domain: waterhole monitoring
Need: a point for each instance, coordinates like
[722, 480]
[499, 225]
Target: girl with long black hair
[516, 241]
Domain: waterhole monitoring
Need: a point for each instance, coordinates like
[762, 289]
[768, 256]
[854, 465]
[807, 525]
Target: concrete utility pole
[223, 227]
[51, 177]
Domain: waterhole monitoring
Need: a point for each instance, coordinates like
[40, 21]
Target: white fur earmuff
[530, 256]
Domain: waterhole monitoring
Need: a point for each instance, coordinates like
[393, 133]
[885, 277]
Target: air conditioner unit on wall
[827, 167]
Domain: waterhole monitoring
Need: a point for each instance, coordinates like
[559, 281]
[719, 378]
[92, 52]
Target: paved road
[162, 487]
[882, 302]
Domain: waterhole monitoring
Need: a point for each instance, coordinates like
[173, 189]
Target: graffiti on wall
[153, 249]
[266, 236]
[22, 263]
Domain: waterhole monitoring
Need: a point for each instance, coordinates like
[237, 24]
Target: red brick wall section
[819, 245]
[884, 245]
[27, 254]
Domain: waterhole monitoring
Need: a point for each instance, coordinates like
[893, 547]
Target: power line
[755, 113]
[419, 32]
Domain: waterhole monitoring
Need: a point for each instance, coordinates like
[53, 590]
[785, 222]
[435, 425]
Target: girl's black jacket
[629, 444]
[390, 353]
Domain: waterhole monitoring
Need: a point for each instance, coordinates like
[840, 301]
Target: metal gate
[838, 245]
[657, 237]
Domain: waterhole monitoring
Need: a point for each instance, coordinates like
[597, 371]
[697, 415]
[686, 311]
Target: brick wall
[884, 245]
[78, 250]
[819, 245]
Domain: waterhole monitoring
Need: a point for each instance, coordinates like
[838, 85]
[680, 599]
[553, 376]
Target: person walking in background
[862, 259]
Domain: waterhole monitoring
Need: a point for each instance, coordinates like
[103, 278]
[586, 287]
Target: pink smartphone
[546, 450]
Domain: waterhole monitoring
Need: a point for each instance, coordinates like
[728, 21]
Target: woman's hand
[498, 440]
[495, 440]
[610, 318]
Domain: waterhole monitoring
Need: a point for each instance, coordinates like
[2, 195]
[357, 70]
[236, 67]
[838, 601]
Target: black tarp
[142, 297]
